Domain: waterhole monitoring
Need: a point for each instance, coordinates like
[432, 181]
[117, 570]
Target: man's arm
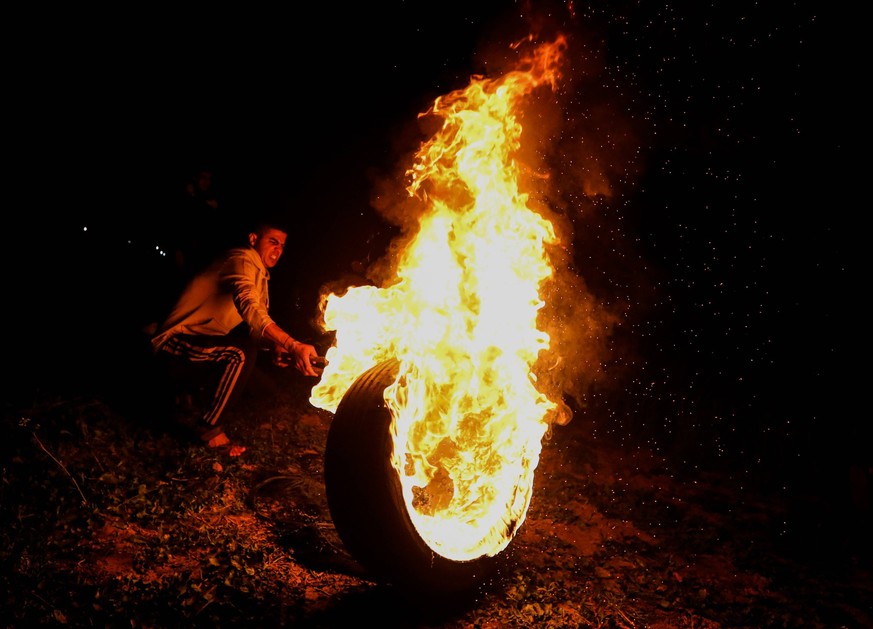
[240, 276]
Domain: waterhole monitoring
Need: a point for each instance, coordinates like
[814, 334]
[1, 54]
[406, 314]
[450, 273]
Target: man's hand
[302, 355]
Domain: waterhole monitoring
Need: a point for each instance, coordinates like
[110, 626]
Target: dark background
[722, 131]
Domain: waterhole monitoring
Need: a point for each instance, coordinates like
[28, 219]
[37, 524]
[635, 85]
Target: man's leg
[218, 368]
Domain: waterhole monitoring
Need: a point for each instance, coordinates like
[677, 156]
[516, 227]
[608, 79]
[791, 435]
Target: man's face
[270, 244]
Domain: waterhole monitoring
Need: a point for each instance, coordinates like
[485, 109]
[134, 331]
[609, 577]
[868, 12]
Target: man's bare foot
[221, 442]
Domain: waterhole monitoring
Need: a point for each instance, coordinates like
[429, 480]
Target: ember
[460, 317]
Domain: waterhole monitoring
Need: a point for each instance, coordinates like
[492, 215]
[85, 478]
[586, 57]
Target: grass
[110, 517]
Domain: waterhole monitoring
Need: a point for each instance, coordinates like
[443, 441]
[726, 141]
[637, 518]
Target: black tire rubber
[365, 499]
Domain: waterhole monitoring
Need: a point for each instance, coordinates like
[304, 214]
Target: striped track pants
[222, 364]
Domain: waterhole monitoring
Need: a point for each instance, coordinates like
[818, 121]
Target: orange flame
[460, 317]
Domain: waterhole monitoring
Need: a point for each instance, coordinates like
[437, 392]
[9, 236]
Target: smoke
[582, 158]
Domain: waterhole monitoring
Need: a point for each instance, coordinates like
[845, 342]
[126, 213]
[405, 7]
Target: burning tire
[365, 497]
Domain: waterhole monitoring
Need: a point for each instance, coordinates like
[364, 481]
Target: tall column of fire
[460, 316]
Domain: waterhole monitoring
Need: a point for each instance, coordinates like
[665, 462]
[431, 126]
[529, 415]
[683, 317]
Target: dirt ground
[109, 518]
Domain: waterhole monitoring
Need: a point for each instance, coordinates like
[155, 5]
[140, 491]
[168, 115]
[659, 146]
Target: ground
[109, 517]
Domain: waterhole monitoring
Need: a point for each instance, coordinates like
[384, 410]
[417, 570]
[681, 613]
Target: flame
[460, 317]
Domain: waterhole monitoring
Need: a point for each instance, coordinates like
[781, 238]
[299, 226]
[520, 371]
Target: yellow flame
[460, 317]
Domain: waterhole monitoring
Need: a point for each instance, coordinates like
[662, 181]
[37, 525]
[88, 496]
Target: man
[208, 344]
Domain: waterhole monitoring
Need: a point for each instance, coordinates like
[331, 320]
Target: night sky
[723, 227]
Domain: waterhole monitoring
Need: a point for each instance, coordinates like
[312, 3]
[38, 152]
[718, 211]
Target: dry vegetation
[110, 519]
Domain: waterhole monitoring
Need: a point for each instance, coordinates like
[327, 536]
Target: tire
[366, 502]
